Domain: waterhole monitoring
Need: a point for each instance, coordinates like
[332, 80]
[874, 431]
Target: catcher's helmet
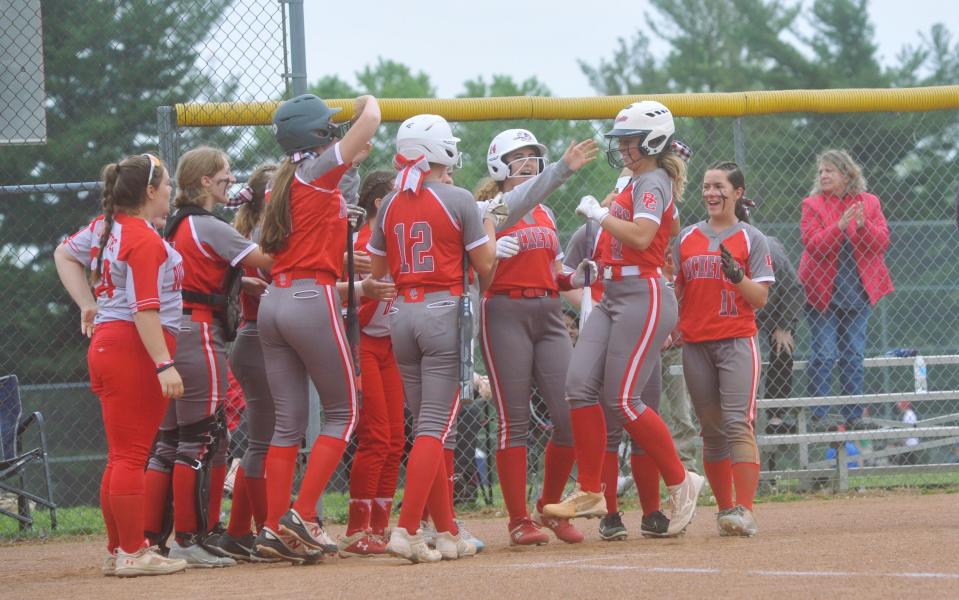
[303, 123]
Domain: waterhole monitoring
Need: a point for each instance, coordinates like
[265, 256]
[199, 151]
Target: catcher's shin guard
[211, 432]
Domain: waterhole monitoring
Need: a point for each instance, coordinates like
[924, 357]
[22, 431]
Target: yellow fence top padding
[737, 104]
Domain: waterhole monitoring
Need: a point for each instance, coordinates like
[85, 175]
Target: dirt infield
[876, 547]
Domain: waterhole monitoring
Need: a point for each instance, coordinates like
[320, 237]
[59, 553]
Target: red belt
[200, 315]
[286, 278]
[526, 293]
[417, 293]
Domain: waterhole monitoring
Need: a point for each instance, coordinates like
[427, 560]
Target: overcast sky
[455, 43]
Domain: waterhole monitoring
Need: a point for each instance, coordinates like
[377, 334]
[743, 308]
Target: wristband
[163, 366]
[564, 281]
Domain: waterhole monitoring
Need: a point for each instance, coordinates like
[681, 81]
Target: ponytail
[675, 167]
[487, 189]
[251, 212]
[110, 174]
[277, 222]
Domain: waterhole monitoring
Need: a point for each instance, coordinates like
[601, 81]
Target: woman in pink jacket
[844, 274]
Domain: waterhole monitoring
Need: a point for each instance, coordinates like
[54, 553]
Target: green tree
[101, 106]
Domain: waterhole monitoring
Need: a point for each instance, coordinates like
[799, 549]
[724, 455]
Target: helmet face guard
[539, 161]
[614, 149]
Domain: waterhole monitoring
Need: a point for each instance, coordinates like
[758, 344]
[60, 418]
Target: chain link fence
[95, 115]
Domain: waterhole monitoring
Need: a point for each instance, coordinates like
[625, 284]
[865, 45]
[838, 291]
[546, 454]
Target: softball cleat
[736, 522]
[578, 504]
[411, 547]
[682, 502]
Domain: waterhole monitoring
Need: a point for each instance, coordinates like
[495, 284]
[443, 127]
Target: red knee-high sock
[449, 461]
[325, 455]
[610, 480]
[280, 467]
[128, 514]
[421, 467]
[241, 510]
[184, 499]
[652, 435]
[746, 479]
[720, 477]
[646, 477]
[557, 465]
[156, 496]
[359, 515]
[217, 477]
[113, 537]
[511, 470]
[256, 492]
[380, 515]
[589, 433]
[440, 503]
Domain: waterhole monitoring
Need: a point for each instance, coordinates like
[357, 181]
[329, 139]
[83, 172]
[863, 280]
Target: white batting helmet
[504, 143]
[648, 119]
[429, 136]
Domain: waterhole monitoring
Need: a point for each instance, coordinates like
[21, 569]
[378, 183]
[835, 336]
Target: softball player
[524, 337]
[636, 314]
[376, 464]
[246, 362]
[721, 360]
[301, 331]
[210, 248]
[420, 238]
[133, 322]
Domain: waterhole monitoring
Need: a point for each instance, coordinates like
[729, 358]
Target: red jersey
[250, 305]
[533, 267]
[710, 306]
[648, 196]
[209, 247]
[367, 305]
[423, 235]
[318, 217]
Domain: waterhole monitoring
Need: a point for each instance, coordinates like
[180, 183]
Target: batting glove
[589, 207]
[506, 247]
[586, 273]
[497, 211]
[355, 214]
[731, 268]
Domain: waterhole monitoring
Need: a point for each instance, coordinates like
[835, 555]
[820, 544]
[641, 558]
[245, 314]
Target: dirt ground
[875, 547]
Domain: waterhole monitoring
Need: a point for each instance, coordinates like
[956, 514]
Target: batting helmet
[649, 120]
[429, 136]
[506, 142]
[303, 123]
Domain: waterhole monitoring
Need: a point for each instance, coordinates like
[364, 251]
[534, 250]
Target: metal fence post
[739, 143]
[297, 74]
[167, 135]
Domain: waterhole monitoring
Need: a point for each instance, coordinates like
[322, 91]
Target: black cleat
[269, 544]
[611, 527]
[655, 525]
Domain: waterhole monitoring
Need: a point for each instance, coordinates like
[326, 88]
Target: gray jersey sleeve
[760, 262]
[462, 207]
[82, 242]
[350, 185]
[524, 197]
[579, 248]
[786, 297]
[651, 192]
[222, 238]
[312, 169]
[377, 243]
[675, 249]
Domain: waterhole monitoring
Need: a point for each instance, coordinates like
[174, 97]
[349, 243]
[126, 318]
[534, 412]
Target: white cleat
[145, 561]
[452, 547]
[411, 547]
[682, 501]
[737, 522]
